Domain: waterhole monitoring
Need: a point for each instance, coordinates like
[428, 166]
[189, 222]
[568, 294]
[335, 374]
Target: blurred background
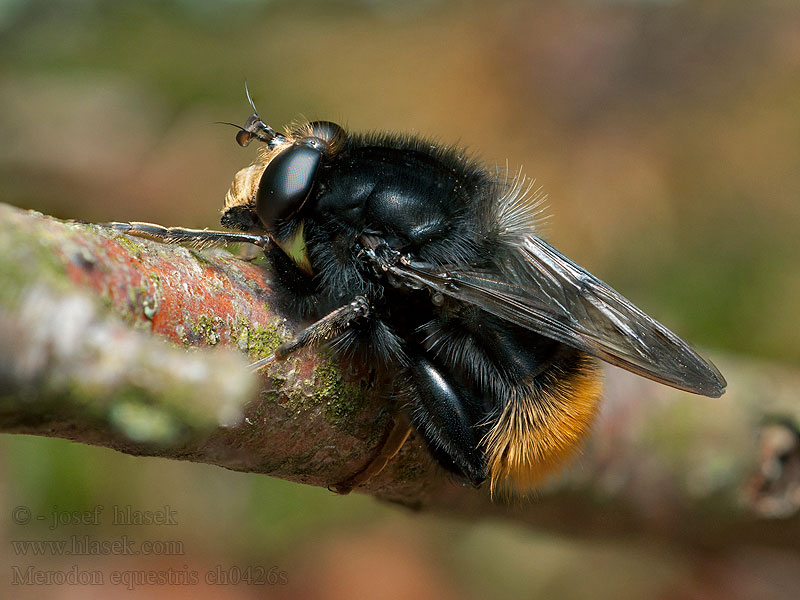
[666, 133]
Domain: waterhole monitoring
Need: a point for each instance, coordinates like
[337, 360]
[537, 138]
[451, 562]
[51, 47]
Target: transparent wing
[544, 291]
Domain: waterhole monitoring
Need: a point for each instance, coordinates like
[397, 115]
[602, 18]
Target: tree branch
[78, 304]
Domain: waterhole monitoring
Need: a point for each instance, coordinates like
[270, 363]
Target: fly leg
[181, 235]
[326, 328]
[445, 419]
[394, 440]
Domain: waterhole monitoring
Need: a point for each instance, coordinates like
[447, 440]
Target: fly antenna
[249, 99]
[239, 127]
[255, 128]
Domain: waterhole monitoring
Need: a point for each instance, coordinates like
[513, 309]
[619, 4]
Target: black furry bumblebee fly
[424, 262]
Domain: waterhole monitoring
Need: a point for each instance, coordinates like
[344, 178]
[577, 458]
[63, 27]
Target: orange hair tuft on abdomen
[543, 425]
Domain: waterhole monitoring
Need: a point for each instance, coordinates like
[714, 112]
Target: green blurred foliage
[666, 133]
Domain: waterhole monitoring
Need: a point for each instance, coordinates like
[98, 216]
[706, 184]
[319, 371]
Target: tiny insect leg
[327, 327]
[395, 438]
[180, 235]
[441, 416]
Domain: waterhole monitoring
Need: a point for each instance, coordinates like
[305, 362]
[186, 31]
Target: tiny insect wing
[540, 289]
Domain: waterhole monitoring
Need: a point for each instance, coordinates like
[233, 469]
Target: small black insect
[428, 264]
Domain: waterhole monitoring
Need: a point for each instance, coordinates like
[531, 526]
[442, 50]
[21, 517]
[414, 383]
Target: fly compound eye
[286, 183]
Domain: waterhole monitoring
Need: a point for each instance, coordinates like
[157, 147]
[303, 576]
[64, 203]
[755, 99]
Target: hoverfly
[428, 264]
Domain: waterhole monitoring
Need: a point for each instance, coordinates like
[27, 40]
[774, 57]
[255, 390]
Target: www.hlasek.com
[88, 545]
